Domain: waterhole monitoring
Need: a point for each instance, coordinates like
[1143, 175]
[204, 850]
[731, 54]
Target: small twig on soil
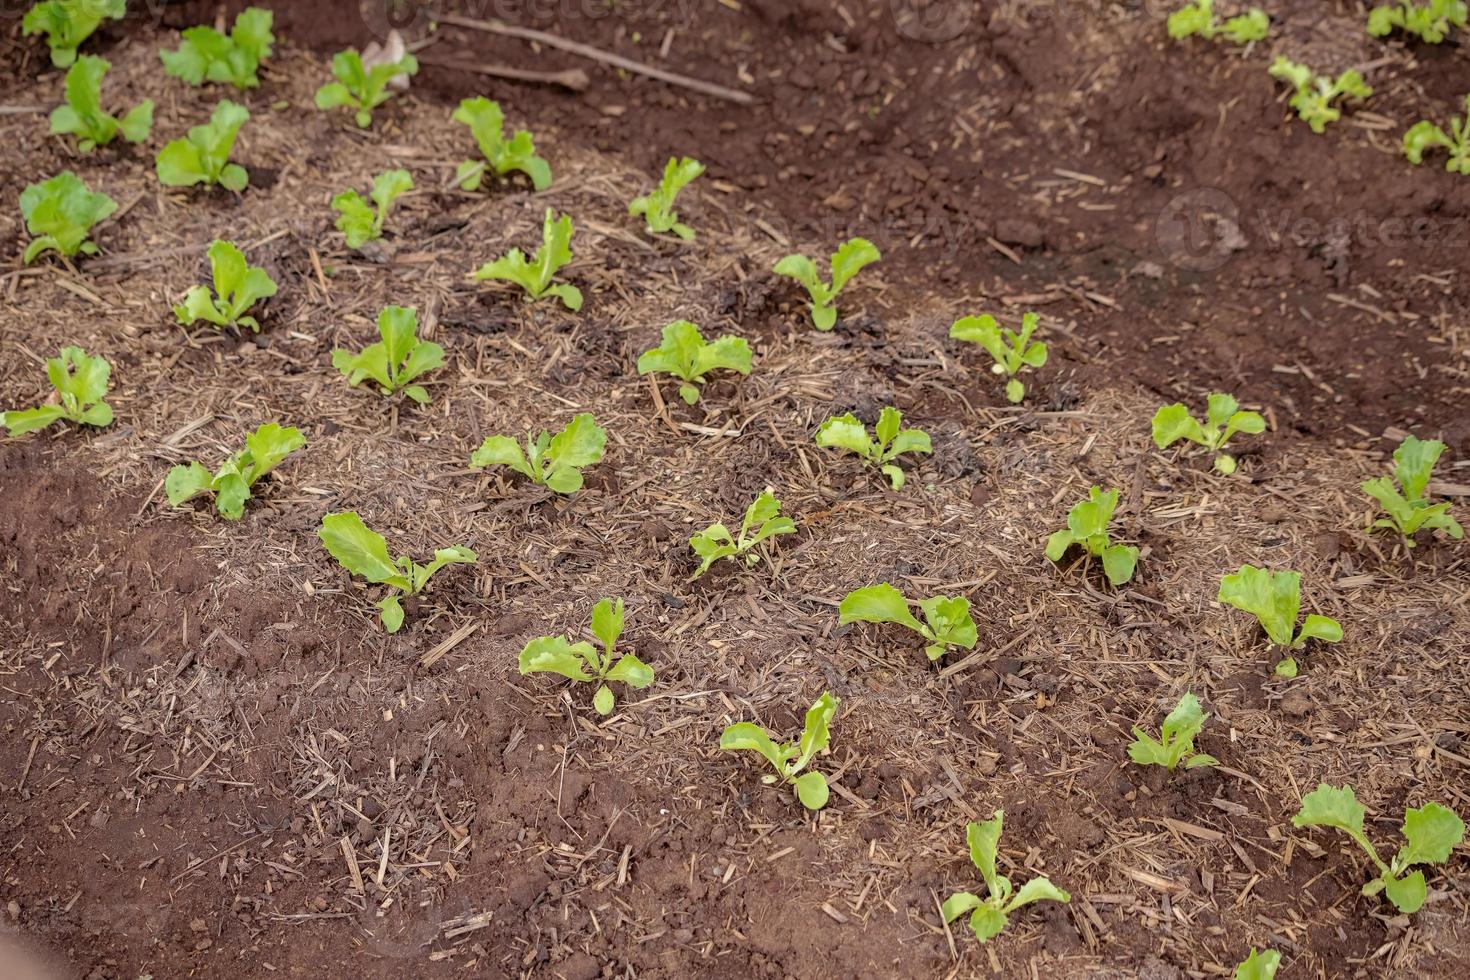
[215, 856]
[453, 640]
[572, 78]
[20, 783]
[597, 54]
[979, 655]
[954, 955]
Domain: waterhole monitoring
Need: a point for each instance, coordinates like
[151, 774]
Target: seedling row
[60, 213]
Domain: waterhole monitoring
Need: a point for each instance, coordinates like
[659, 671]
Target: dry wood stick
[597, 54]
[572, 78]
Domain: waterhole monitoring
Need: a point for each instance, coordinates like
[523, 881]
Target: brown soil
[221, 767]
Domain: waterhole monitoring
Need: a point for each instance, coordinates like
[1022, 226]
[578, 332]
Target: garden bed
[221, 765]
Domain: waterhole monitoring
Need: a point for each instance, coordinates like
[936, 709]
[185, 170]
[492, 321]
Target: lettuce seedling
[657, 206]
[1410, 511]
[846, 432]
[762, 521]
[359, 88]
[555, 462]
[689, 357]
[395, 361]
[1314, 93]
[1223, 418]
[237, 286]
[535, 276]
[1424, 136]
[81, 387]
[791, 758]
[580, 662]
[1198, 17]
[989, 915]
[948, 618]
[60, 214]
[501, 156]
[1431, 21]
[1176, 743]
[264, 450]
[206, 54]
[1259, 965]
[84, 116]
[364, 552]
[846, 262]
[1275, 598]
[203, 157]
[1431, 831]
[360, 224]
[1010, 351]
[67, 23]
[1087, 525]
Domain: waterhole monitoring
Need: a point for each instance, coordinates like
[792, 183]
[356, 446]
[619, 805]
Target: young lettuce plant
[948, 618]
[535, 276]
[1315, 93]
[60, 214]
[1176, 741]
[1410, 511]
[1260, 965]
[1223, 418]
[847, 432]
[1198, 17]
[203, 157]
[762, 520]
[1424, 136]
[1010, 351]
[83, 115]
[791, 758]
[555, 462]
[207, 55]
[359, 88]
[1275, 598]
[359, 223]
[264, 449]
[1431, 20]
[237, 287]
[81, 388]
[364, 552]
[1087, 526]
[67, 23]
[580, 661]
[1431, 832]
[686, 355]
[847, 261]
[657, 206]
[989, 915]
[501, 156]
[394, 362]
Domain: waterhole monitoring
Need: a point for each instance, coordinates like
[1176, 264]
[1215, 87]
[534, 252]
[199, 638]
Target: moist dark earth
[217, 766]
